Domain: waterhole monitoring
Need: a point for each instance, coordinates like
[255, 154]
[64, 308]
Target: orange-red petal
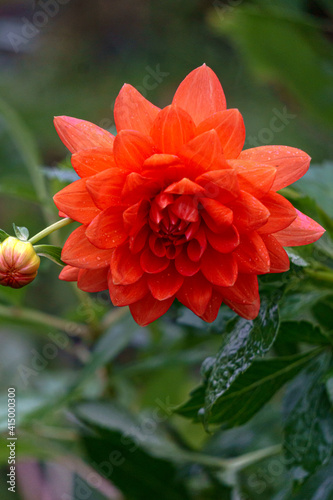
[247, 311]
[92, 161]
[149, 309]
[93, 280]
[166, 283]
[230, 128]
[252, 178]
[69, 273]
[249, 213]
[132, 111]
[282, 213]
[125, 266]
[78, 135]
[300, 232]
[107, 229]
[203, 153]
[75, 201]
[200, 94]
[172, 128]
[212, 308]
[252, 255]
[290, 163]
[123, 295]
[106, 187]
[244, 291]
[79, 252]
[131, 149]
[219, 269]
[195, 293]
[279, 260]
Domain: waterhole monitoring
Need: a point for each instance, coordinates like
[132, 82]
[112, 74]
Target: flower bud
[19, 263]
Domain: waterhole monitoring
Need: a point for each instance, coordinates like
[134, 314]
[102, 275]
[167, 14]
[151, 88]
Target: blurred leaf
[243, 342]
[250, 391]
[50, 252]
[308, 421]
[319, 486]
[302, 331]
[22, 233]
[136, 460]
[317, 183]
[284, 47]
[3, 235]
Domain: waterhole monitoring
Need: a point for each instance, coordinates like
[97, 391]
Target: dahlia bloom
[172, 208]
[19, 263]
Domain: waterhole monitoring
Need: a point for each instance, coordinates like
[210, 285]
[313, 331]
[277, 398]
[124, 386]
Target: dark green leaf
[302, 331]
[133, 457]
[250, 391]
[50, 252]
[21, 233]
[3, 235]
[319, 486]
[308, 421]
[244, 341]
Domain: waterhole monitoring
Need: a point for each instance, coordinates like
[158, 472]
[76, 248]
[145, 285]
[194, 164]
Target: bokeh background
[71, 57]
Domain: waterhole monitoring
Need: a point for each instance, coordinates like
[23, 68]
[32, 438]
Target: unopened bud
[19, 263]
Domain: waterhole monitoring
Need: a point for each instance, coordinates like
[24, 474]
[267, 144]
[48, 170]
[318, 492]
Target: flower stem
[50, 229]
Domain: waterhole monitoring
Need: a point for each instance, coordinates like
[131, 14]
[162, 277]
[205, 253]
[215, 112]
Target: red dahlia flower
[173, 208]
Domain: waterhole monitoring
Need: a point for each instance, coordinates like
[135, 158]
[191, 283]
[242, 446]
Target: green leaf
[250, 392]
[3, 235]
[136, 459]
[244, 341]
[302, 331]
[319, 486]
[50, 252]
[21, 233]
[308, 421]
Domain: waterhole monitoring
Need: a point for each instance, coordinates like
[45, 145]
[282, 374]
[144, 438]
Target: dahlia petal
[93, 280]
[197, 245]
[203, 153]
[78, 135]
[158, 160]
[224, 242]
[79, 252]
[300, 232]
[138, 241]
[123, 295]
[230, 128]
[133, 111]
[185, 186]
[92, 161]
[165, 284]
[69, 273]
[195, 293]
[135, 216]
[185, 266]
[137, 187]
[107, 229]
[125, 266]
[221, 185]
[185, 207]
[172, 128]
[106, 187]
[279, 260]
[282, 213]
[75, 201]
[249, 213]
[252, 178]
[252, 255]
[131, 149]
[244, 291]
[149, 309]
[216, 216]
[152, 264]
[200, 94]
[219, 269]
[156, 245]
[247, 311]
[290, 163]
[212, 308]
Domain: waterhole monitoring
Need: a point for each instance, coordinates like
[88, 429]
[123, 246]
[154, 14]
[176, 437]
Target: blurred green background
[71, 57]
